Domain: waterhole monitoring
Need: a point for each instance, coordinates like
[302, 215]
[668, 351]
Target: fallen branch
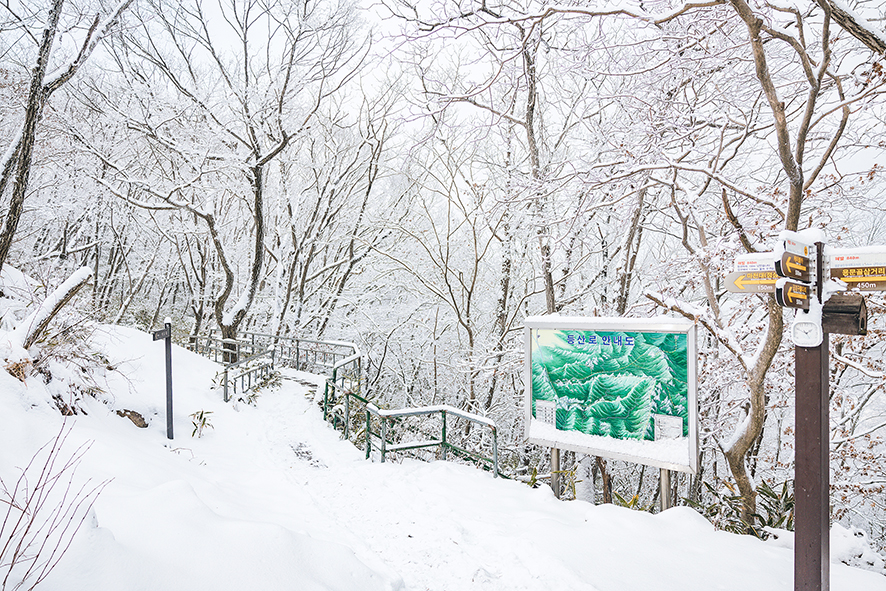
[32, 327]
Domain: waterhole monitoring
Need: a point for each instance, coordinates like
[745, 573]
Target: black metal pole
[812, 464]
[168, 380]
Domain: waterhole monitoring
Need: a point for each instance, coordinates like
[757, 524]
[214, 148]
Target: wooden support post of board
[665, 489]
[555, 471]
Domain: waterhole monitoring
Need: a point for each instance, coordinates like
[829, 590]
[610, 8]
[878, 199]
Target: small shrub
[40, 513]
[775, 509]
[19, 369]
[201, 421]
[632, 503]
[250, 398]
[568, 480]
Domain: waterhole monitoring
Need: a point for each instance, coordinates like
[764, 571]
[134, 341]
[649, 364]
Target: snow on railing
[246, 365]
[384, 446]
[342, 365]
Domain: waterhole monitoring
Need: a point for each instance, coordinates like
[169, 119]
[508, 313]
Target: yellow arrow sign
[751, 281]
[742, 282]
[796, 292]
[795, 263]
[794, 266]
[793, 295]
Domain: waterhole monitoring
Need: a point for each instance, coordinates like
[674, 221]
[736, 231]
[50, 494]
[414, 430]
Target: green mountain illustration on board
[612, 383]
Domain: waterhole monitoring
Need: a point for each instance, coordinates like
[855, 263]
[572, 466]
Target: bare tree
[228, 110]
[700, 119]
[322, 230]
[808, 112]
[16, 161]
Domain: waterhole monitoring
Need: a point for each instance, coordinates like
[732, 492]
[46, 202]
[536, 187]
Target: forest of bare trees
[418, 178]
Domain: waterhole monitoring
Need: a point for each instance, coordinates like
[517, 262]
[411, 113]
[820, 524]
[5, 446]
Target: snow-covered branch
[859, 27]
[26, 333]
[696, 315]
[857, 435]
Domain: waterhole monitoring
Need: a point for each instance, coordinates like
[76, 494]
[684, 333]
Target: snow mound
[850, 546]
[271, 498]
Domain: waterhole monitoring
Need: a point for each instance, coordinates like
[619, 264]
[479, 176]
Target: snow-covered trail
[271, 498]
[443, 526]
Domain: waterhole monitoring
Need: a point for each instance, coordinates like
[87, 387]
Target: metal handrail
[340, 361]
[226, 351]
[345, 379]
[445, 446]
[347, 383]
[235, 355]
[253, 373]
[300, 353]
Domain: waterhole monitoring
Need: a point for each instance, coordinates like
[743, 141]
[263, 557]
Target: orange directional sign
[862, 278]
[794, 266]
[793, 295]
[863, 269]
[751, 281]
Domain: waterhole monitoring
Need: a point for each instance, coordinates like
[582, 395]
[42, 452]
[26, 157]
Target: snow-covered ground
[270, 498]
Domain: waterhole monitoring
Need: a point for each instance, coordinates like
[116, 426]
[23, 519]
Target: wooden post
[555, 471]
[811, 471]
[812, 559]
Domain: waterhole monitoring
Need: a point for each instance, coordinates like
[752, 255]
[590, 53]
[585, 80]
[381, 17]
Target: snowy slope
[270, 498]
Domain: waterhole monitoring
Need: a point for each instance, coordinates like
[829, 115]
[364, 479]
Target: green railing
[345, 403]
[384, 446]
[246, 364]
[343, 387]
[226, 351]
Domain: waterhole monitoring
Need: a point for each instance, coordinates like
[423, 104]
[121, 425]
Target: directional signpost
[794, 266]
[796, 273]
[751, 281]
[165, 334]
[754, 273]
[790, 294]
[864, 271]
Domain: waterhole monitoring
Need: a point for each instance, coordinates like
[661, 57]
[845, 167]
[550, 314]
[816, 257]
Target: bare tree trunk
[22, 148]
[134, 290]
[749, 430]
[33, 111]
[501, 312]
[791, 159]
[606, 478]
[635, 231]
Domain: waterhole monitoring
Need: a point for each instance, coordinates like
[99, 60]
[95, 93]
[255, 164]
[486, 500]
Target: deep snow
[270, 498]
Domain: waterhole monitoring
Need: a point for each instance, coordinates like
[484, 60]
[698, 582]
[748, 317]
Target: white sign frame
[662, 454]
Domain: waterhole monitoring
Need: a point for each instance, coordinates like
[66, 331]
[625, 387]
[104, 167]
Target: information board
[614, 387]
